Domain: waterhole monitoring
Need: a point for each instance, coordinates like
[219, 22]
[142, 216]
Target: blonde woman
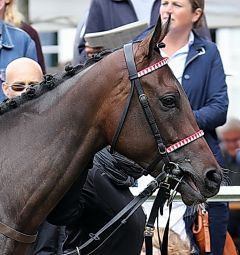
[14, 17]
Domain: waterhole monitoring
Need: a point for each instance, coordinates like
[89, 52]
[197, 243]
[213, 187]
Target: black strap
[131, 208]
[162, 195]
[133, 76]
[164, 246]
[135, 83]
[148, 244]
[122, 120]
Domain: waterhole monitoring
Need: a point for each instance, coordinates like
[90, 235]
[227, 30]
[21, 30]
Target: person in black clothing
[86, 210]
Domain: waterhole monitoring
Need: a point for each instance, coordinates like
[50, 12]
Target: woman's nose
[169, 8]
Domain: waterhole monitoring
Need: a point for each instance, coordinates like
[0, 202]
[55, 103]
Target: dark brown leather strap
[16, 235]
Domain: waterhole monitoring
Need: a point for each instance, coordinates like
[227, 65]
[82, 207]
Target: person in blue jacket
[108, 14]
[14, 43]
[197, 65]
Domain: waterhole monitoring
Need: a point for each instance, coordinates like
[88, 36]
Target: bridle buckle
[149, 231]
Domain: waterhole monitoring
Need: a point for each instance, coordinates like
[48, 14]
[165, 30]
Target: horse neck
[52, 139]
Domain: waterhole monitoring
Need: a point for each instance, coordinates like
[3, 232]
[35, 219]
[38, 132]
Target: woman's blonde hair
[176, 246]
[12, 15]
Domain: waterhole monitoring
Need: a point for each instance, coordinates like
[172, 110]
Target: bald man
[20, 74]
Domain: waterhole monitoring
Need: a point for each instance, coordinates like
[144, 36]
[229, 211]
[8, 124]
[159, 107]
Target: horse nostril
[213, 176]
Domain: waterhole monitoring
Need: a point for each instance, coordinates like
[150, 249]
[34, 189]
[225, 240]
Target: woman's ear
[197, 15]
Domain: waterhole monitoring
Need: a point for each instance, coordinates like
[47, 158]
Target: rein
[164, 182]
[129, 209]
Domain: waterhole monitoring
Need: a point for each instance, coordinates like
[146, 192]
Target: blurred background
[56, 22]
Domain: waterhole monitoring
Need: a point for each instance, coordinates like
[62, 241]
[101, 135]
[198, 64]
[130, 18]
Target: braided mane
[50, 82]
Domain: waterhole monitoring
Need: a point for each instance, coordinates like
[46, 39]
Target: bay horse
[47, 142]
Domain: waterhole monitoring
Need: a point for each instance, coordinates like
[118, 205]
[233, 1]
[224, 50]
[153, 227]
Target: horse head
[181, 139]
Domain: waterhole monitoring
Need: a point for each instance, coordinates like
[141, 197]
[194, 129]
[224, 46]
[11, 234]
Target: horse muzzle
[195, 187]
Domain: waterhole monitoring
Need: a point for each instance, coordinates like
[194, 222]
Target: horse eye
[168, 101]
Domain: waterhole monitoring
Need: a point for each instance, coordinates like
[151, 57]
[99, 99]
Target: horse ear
[158, 34]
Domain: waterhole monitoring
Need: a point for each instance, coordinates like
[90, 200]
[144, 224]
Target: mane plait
[34, 91]
[50, 82]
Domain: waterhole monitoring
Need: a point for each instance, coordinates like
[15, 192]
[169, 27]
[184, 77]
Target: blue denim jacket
[14, 43]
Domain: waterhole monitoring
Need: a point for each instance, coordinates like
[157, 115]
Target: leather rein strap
[16, 235]
[123, 215]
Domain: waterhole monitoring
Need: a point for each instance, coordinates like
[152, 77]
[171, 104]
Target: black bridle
[134, 77]
[136, 84]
